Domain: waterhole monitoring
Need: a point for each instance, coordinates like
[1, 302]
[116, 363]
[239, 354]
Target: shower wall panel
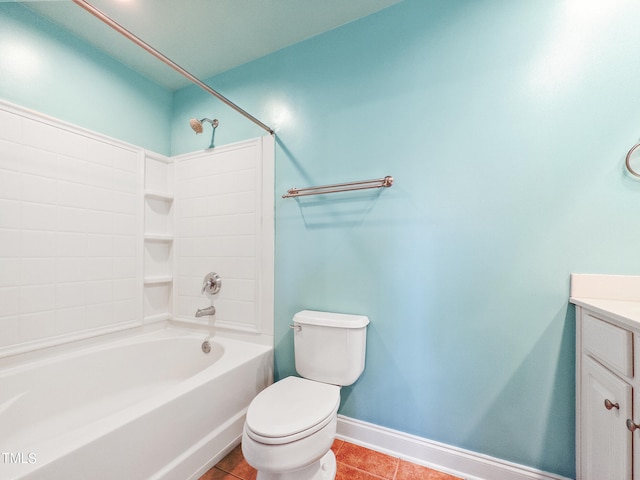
[69, 224]
[224, 224]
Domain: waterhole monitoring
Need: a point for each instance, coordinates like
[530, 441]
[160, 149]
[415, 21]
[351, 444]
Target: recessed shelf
[158, 195]
[155, 280]
[158, 237]
[157, 318]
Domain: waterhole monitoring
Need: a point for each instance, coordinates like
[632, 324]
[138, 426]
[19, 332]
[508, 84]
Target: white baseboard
[446, 458]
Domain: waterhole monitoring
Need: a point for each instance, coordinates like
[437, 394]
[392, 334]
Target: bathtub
[148, 405]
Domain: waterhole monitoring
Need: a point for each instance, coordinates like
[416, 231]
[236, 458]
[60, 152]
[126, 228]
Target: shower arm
[141, 43]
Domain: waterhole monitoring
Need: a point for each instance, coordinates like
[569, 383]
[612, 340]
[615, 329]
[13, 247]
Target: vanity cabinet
[607, 376]
[605, 385]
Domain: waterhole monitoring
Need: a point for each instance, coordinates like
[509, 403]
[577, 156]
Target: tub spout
[201, 312]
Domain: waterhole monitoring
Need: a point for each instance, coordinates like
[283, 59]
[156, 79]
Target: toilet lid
[292, 406]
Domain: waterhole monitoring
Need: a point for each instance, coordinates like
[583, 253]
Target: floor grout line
[243, 474]
[395, 474]
[229, 473]
[364, 471]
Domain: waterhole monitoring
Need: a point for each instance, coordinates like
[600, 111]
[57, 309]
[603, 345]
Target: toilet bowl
[291, 425]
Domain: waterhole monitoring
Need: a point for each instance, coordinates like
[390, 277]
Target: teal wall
[44, 68]
[505, 125]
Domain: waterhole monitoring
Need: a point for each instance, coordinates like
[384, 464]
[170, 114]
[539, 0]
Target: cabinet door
[606, 441]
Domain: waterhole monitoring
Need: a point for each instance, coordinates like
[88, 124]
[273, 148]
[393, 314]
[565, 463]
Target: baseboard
[446, 458]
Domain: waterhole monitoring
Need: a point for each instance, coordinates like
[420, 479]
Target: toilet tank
[330, 347]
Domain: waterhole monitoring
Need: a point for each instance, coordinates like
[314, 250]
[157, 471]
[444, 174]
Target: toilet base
[323, 469]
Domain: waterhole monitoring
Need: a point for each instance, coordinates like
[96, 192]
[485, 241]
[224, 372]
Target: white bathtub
[149, 405]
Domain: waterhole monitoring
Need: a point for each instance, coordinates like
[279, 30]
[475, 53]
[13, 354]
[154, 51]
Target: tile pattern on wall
[354, 463]
[218, 197]
[69, 222]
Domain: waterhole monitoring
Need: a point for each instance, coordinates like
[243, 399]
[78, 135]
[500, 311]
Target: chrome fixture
[339, 187]
[211, 284]
[196, 125]
[206, 346]
[100, 15]
[201, 312]
[628, 160]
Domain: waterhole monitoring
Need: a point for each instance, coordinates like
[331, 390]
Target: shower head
[196, 126]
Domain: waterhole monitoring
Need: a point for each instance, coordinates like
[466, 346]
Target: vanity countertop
[615, 296]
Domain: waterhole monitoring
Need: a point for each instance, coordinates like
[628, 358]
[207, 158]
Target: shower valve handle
[211, 284]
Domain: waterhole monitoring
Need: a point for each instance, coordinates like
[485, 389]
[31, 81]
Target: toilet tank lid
[329, 319]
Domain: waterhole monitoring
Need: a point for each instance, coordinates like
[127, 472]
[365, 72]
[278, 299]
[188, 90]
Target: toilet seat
[291, 409]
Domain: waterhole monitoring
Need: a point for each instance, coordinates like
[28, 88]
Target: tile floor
[354, 463]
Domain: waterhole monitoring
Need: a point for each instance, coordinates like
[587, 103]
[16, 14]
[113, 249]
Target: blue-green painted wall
[505, 125]
[44, 68]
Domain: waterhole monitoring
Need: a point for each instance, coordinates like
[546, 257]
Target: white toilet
[291, 425]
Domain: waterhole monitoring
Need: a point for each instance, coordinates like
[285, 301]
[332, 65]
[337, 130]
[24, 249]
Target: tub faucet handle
[211, 284]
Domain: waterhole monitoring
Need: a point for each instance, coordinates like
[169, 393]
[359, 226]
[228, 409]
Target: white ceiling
[205, 37]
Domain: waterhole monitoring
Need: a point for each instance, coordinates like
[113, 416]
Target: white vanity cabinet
[604, 391]
[607, 376]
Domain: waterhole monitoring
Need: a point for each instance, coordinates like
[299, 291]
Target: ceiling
[205, 37]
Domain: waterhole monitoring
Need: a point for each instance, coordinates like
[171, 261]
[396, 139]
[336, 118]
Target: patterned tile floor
[354, 463]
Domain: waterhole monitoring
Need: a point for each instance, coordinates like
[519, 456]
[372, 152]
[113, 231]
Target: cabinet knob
[608, 404]
[632, 426]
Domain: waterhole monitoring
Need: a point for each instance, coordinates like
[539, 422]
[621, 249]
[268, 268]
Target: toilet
[291, 425]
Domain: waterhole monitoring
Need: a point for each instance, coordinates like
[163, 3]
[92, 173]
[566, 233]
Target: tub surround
[70, 237]
[224, 223]
[99, 236]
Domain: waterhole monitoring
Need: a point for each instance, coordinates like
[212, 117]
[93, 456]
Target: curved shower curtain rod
[141, 43]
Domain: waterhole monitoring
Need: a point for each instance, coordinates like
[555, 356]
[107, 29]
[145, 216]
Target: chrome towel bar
[339, 187]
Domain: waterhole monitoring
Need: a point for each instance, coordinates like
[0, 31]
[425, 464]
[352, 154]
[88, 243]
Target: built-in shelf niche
[157, 301]
[158, 215]
[158, 238]
[157, 258]
[157, 280]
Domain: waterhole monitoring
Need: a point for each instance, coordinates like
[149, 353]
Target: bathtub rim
[62, 346]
